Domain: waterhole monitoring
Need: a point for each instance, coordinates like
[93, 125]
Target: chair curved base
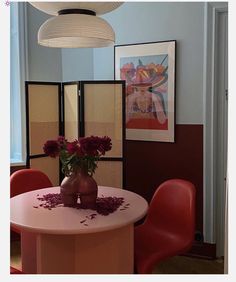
[15, 271]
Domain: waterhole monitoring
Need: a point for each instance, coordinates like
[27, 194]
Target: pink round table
[59, 241]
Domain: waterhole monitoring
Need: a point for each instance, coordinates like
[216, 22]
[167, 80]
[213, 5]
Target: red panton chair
[26, 180]
[169, 227]
[15, 271]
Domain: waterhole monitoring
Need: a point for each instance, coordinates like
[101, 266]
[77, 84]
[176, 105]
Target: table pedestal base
[28, 252]
[108, 252]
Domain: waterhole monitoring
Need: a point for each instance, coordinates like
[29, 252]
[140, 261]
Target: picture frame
[149, 71]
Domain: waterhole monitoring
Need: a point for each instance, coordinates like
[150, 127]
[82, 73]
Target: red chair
[169, 227]
[26, 180]
[15, 271]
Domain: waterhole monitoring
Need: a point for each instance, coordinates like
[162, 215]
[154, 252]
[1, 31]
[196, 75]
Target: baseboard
[202, 250]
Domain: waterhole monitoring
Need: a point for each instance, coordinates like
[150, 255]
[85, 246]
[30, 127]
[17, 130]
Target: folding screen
[43, 120]
[76, 109]
[102, 113]
[70, 101]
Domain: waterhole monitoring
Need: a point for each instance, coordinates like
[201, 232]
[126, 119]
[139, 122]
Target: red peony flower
[79, 154]
[105, 145]
[62, 141]
[51, 148]
[72, 147]
[90, 145]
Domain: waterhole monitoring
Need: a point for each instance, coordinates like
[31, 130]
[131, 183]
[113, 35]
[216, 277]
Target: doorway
[221, 126]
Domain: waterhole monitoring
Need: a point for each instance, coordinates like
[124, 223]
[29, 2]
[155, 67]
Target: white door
[221, 124]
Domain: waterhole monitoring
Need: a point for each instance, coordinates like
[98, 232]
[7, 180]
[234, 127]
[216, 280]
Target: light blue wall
[147, 22]
[77, 64]
[133, 22]
[44, 63]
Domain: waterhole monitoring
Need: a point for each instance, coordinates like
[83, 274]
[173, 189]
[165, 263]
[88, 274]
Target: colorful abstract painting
[146, 91]
[149, 72]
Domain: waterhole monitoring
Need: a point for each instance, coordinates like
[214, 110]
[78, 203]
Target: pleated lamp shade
[76, 31]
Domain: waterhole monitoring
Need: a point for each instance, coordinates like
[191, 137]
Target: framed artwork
[149, 72]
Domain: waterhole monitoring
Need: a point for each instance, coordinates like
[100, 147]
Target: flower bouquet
[79, 162]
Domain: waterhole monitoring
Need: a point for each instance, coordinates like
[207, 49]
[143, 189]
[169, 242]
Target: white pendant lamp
[76, 24]
[76, 30]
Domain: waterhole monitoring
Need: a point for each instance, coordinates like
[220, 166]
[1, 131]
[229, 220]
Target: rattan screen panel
[109, 173]
[50, 166]
[43, 116]
[71, 104]
[103, 114]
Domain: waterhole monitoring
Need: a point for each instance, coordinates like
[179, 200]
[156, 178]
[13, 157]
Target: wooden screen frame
[82, 120]
[60, 117]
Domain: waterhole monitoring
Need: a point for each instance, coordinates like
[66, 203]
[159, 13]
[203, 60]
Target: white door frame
[211, 11]
[221, 129]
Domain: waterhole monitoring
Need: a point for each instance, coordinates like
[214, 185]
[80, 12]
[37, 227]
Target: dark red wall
[15, 168]
[148, 164]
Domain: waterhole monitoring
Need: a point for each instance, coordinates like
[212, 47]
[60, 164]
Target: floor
[189, 265]
[15, 254]
[175, 265]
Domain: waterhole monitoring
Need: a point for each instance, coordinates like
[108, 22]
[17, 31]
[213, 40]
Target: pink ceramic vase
[81, 184]
[69, 190]
[88, 190]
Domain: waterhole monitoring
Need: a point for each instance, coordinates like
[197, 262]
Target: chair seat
[168, 229]
[152, 245]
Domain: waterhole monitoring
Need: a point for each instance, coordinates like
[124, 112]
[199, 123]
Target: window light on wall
[18, 75]
[76, 24]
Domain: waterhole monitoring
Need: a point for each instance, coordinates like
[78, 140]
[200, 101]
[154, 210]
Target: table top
[65, 220]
